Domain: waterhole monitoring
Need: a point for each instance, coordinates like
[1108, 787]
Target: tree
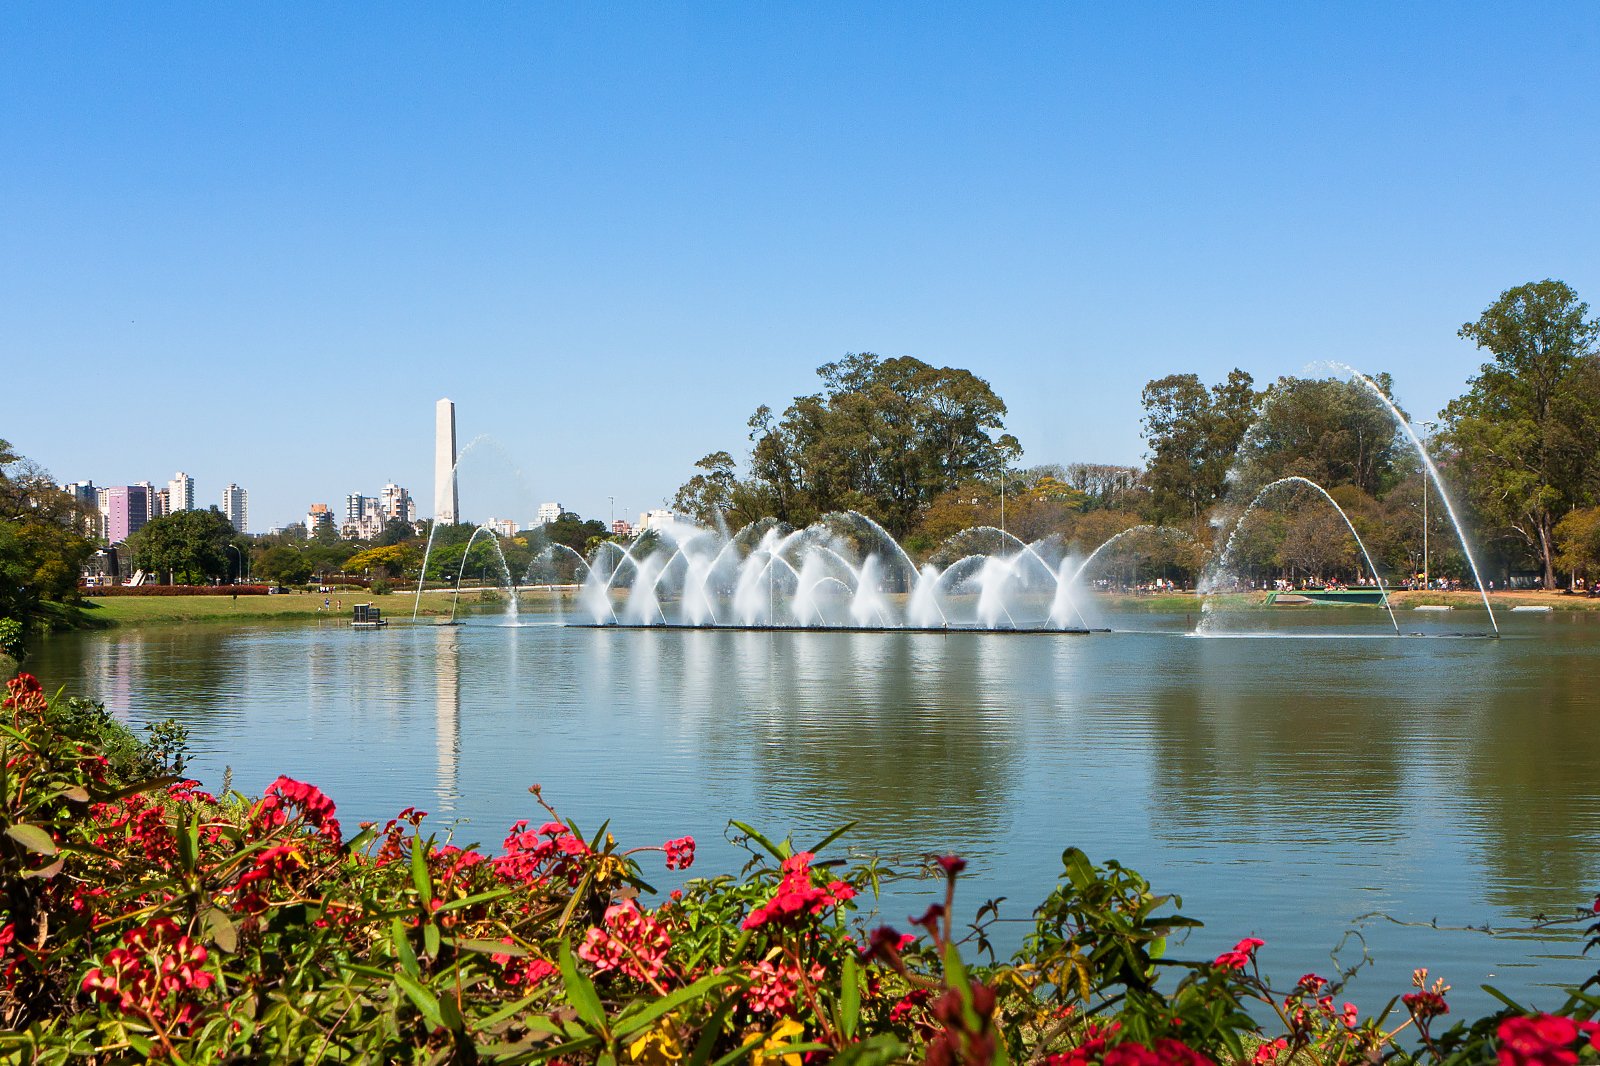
[1317, 543]
[1525, 430]
[42, 546]
[283, 565]
[708, 496]
[192, 546]
[883, 436]
[396, 531]
[1193, 434]
[389, 560]
[1577, 538]
[1332, 431]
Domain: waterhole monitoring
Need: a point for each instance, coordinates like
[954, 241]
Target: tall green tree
[191, 546]
[42, 546]
[1332, 431]
[1193, 433]
[883, 436]
[1526, 430]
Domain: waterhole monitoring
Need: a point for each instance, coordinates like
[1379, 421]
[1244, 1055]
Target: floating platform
[1371, 597]
[941, 630]
[1532, 608]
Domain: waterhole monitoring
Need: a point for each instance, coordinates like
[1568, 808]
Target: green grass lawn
[189, 610]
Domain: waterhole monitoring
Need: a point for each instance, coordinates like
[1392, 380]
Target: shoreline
[140, 611]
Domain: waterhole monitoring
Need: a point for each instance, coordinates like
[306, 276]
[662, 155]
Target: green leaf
[189, 841]
[424, 999]
[750, 832]
[430, 939]
[511, 1009]
[419, 873]
[489, 947]
[33, 838]
[1503, 998]
[831, 837]
[850, 995]
[220, 928]
[45, 873]
[473, 901]
[632, 1023]
[580, 991]
[708, 1036]
[741, 1051]
[402, 949]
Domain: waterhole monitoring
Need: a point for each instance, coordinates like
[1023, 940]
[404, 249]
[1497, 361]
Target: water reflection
[1284, 786]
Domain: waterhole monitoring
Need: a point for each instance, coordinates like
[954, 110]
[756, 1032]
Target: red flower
[1424, 1004]
[680, 853]
[952, 864]
[631, 943]
[1545, 1040]
[1242, 954]
[797, 896]
[1269, 1052]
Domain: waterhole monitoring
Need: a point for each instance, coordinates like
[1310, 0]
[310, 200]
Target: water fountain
[1222, 565]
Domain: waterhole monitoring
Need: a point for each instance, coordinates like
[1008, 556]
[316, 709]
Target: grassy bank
[292, 606]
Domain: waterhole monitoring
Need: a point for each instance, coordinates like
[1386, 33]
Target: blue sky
[257, 242]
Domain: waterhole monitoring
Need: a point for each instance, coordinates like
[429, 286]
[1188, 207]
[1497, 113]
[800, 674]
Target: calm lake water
[1284, 786]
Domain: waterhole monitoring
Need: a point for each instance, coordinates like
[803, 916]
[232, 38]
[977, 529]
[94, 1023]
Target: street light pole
[1429, 427]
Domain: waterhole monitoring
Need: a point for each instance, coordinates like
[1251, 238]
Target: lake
[1284, 783]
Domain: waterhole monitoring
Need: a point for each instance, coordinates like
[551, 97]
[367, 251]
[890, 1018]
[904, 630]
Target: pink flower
[1242, 955]
[797, 896]
[631, 942]
[680, 853]
[1545, 1040]
[1269, 1052]
[1424, 1004]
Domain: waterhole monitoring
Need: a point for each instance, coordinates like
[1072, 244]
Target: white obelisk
[446, 505]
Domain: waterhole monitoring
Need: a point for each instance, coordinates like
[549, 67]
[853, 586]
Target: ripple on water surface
[1283, 786]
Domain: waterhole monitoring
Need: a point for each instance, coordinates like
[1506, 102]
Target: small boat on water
[368, 617]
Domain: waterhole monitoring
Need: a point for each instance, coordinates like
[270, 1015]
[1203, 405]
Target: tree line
[923, 450]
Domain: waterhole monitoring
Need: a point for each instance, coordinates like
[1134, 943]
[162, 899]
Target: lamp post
[235, 549]
[1429, 426]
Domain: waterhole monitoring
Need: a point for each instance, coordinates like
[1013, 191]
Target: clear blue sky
[256, 242]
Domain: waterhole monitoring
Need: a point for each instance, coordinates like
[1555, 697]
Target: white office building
[548, 512]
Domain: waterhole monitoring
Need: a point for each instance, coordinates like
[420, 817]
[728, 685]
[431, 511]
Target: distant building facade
[396, 502]
[180, 493]
[621, 527]
[662, 516]
[549, 512]
[127, 509]
[502, 527]
[236, 507]
[317, 516]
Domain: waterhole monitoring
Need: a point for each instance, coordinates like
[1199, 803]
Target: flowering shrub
[147, 919]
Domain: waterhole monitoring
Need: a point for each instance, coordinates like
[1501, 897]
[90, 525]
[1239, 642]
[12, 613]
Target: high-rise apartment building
[127, 509]
[180, 492]
[397, 503]
[87, 497]
[236, 507]
[548, 512]
[317, 516]
[356, 506]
